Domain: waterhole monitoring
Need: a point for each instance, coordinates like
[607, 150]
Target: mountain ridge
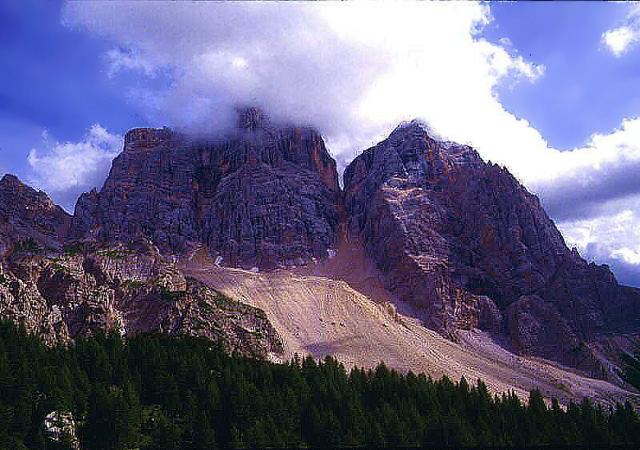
[455, 240]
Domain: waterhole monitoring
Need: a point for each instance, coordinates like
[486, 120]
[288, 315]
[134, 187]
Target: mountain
[470, 246]
[29, 217]
[265, 197]
[430, 259]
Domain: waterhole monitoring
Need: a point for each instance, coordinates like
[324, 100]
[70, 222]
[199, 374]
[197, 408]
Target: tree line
[164, 392]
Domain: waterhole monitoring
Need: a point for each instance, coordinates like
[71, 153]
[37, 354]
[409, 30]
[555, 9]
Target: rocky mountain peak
[411, 154]
[12, 185]
[28, 215]
[146, 138]
[408, 138]
[9, 180]
[252, 119]
[266, 198]
[405, 128]
[24, 196]
[462, 239]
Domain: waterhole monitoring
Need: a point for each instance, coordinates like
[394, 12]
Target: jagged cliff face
[467, 243]
[29, 218]
[265, 197]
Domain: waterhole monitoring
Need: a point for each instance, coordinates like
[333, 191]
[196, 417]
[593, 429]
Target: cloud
[354, 70]
[614, 238]
[580, 182]
[619, 40]
[119, 60]
[65, 170]
[219, 56]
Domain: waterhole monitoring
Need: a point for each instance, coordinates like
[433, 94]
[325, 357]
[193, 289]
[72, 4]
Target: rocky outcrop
[29, 219]
[130, 289]
[265, 196]
[537, 327]
[464, 241]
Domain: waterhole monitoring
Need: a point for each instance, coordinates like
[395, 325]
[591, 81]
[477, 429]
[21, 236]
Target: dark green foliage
[170, 296]
[132, 284]
[161, 392]
[28, 246]
[632, 370]
[73, 249]
[115, 254]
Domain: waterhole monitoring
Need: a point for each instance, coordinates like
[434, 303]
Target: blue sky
[547, 89]
[584, 89]
[54, 78]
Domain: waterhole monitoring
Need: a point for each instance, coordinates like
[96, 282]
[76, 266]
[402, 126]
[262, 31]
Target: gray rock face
[29, 218]
[147, 193]
[489, 315]
[61, 292]
[130, 289]
[446, 228]
[395, 195]
[264, 197]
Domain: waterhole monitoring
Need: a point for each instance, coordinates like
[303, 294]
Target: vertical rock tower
[264, 196]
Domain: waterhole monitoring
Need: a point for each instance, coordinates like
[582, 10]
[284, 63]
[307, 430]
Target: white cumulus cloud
[620, 39]
[612, 237]
[583, 180]
[66, 169]
[353, 70]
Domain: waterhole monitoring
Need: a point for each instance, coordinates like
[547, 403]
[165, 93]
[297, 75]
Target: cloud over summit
[351, 70]
[215, 57]
[354, 70]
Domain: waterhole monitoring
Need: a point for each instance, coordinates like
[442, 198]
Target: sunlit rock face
[127, 289]
[446, 227]
[263, 196]
[29, 218]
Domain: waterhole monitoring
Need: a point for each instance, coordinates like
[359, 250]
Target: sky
[549, 90]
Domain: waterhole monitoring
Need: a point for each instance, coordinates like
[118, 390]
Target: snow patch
[254, 270]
